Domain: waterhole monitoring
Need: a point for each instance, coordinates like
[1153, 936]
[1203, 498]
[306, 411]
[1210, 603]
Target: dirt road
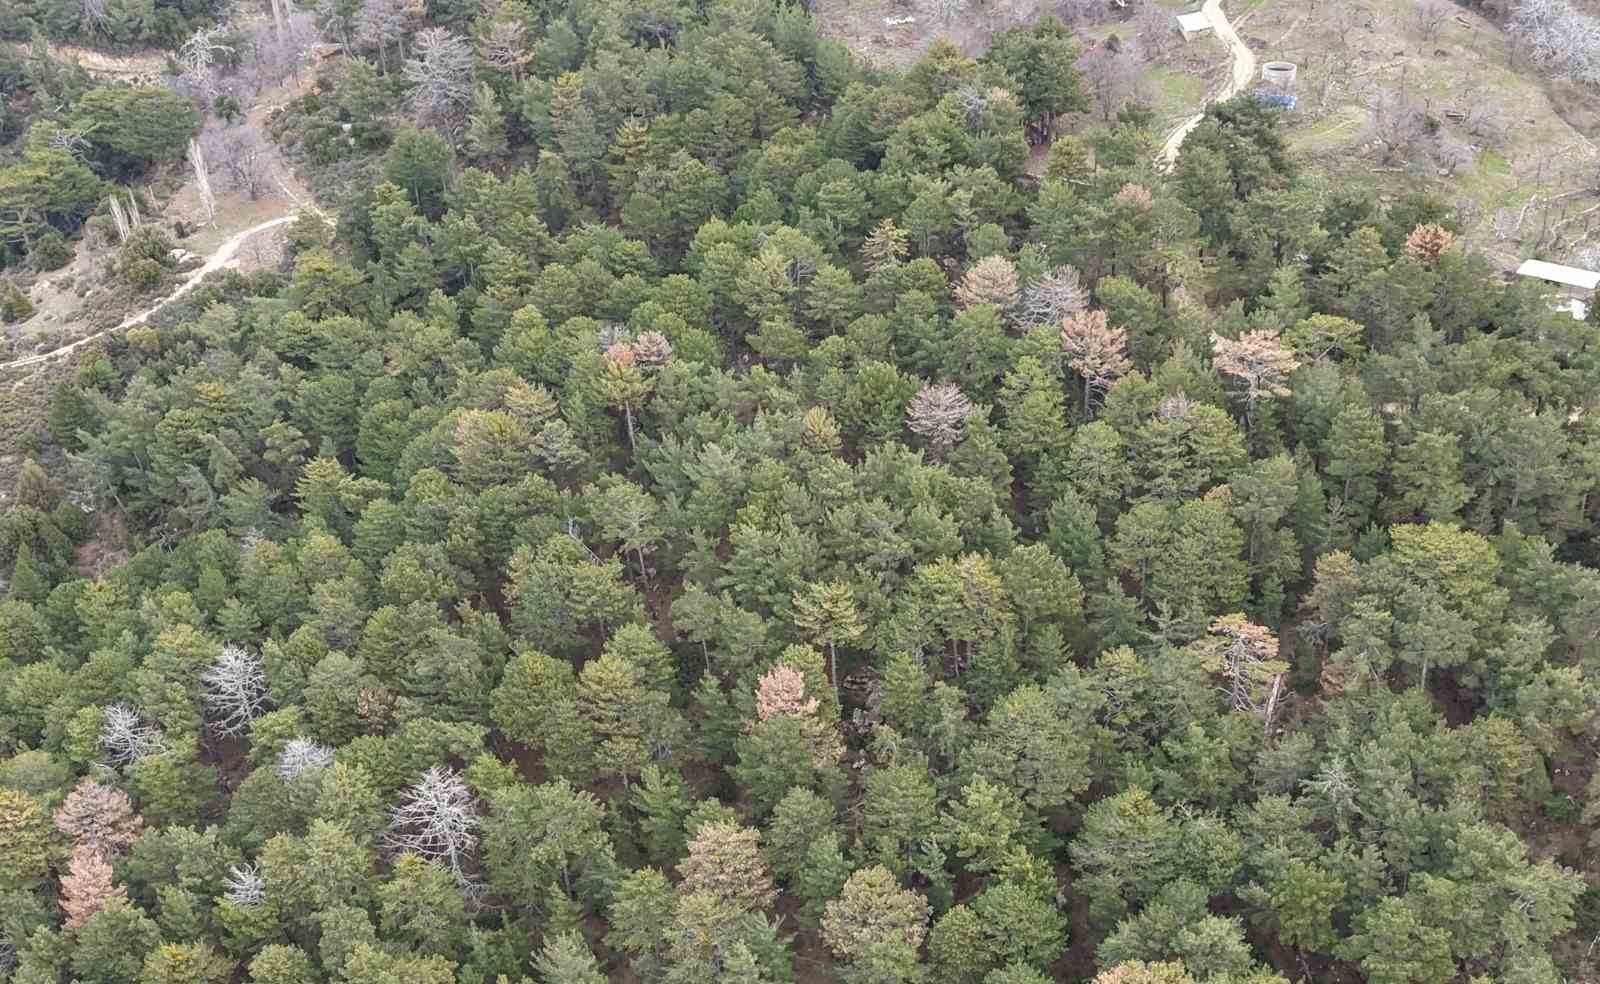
[221, 257]
[1244, 69]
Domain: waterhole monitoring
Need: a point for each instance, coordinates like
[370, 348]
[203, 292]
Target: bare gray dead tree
[1452, 154]
[1346, 20]
[1175, 406]
[1077, 11]
[244, 886]
[608, 335]
[440, 73]
[1486, 120]
[268, 60]
[197, 58]
[1246, 656]
[275, 51]
[1152, 25]
[278, 21]
[300, 756]
[125, 736]
[202, 180]
[437, 819]
[938, 414]
[1398, 125]
[336, 19]
[975, 101]
[1559, 38]
[380, 24]
[1052, 297]
[946, 11]
[121, 219]
[235, 689]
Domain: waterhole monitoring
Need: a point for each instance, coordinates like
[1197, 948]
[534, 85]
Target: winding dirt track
[221, 257]
[1244, 69]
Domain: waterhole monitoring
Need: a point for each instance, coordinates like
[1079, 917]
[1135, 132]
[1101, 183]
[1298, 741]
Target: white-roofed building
[1573, 281]
[1193, 23]
[1555, 273]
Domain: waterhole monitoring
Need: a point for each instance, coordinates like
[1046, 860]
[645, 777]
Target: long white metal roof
[1558, 274]
[1192, 22]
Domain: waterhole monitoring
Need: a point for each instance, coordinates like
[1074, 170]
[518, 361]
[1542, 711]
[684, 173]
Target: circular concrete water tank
[1278, 73]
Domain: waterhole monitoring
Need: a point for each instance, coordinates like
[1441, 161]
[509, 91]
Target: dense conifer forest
[698, 508]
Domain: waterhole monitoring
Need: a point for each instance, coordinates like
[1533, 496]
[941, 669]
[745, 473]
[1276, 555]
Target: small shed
[1575, 284]
[1555, 273]
[1193, 24]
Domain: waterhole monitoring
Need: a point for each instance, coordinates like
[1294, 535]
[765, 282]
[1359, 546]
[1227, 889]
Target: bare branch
[300, 756]
[197, 58]
[1053, 297]
[95, 14]
[437, 819]
[1560, 38]
[244, 886]
[235, 689]
[440, 73]
[379, 24]
[241, 154]
[125, 736]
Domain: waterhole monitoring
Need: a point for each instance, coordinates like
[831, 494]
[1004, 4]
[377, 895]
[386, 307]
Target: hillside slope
[1399, 96]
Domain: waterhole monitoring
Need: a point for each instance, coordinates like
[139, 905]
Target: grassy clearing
[1240, 9]
[1328, 131]
[1173, 94]
[235, 213]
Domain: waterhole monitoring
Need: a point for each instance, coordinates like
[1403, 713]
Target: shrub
[51, 251]
[143, 261]
[14, 305]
